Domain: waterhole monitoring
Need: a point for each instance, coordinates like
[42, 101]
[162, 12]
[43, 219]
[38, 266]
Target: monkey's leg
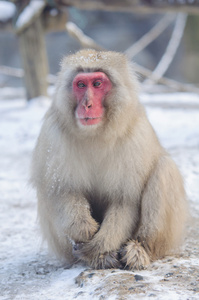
[102, 251]
[66, 220]
[163, 214]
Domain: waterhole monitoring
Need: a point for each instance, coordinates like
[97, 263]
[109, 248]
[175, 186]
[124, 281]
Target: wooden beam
[133, 6]
[54, 20]
[34, 59]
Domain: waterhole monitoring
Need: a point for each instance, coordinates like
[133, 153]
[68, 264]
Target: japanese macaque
[108, 194]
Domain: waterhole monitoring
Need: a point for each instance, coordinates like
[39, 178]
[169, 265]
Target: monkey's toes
[107, 260]
[134, 256]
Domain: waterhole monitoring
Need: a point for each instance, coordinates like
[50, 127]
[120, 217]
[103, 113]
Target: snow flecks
[28, 272]
[54, 186]
[54, 12]
[7, 11]
[89, 59]
[55, 179]
[32, 9]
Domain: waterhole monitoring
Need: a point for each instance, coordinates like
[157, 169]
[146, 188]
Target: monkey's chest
[105, 178]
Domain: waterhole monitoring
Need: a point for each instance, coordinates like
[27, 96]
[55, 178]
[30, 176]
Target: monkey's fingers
[77, 249]
[83, 229]
[134, 256]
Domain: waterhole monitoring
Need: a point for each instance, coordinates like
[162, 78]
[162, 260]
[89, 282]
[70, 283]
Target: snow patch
[7, 10]
[32, 9]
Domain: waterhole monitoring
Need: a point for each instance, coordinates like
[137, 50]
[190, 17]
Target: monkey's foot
[133, 256]
[107, 260]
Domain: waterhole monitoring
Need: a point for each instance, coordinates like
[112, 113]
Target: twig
[171, 49]
[11, 71]
[19, 73]
[84, 40]
[150, 36]
[178, 86]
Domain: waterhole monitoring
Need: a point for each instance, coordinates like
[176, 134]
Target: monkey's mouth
[90, 121]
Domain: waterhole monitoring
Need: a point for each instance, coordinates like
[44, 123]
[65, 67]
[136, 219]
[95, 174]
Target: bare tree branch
[12, 71]
[150, 36]
[19, 73]
[83, 39]
[177, 86]
[171, 49]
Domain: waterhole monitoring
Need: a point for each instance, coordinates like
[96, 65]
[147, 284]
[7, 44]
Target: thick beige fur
[108, 194]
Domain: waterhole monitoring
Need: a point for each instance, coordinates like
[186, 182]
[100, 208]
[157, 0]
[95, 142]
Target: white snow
[7, 10]
[32, 9]
[26, 269]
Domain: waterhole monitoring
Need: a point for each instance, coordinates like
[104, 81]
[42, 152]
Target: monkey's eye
[97, 83]
[81, 85]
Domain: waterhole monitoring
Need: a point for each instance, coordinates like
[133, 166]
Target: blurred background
[110, 29]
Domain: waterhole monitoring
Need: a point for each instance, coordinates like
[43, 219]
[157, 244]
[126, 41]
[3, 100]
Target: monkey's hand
[86, 252]
[83, 229]
[101, 252]
[134, 256]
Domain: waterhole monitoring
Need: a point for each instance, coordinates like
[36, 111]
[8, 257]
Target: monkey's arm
[65, 218]
[162, 219]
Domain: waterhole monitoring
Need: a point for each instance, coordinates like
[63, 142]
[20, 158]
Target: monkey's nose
[87, 104]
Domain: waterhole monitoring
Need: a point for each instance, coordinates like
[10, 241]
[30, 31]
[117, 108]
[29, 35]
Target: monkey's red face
[90, 90]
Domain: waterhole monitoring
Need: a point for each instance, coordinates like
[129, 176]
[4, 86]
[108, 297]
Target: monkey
[109, 195]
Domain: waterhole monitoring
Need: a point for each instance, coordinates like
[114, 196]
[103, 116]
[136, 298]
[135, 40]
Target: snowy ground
[26, 269]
